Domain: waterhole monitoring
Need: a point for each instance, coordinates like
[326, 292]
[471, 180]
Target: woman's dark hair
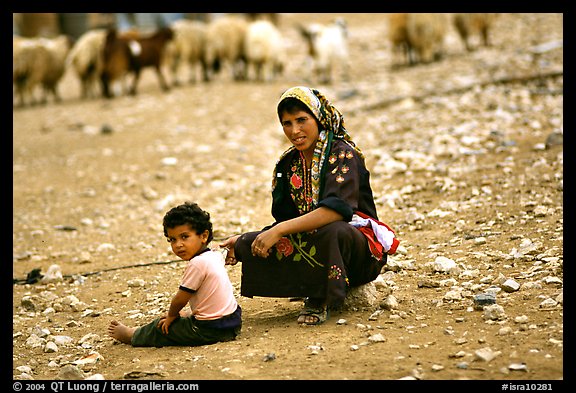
[189, 213]
[292, 105]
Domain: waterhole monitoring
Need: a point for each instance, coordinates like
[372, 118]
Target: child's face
[185, 242]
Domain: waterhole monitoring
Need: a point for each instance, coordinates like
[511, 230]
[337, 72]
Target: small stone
[510, 285]
[70, 372]
[269, 357]
[518, 367]
[484, 299]
[377, 338]
[50, 347]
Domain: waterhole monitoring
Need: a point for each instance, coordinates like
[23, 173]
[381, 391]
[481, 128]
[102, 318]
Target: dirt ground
[466, 160]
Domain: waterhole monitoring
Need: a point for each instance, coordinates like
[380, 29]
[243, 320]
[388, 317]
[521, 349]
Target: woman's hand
[228, 244]
[265, 241]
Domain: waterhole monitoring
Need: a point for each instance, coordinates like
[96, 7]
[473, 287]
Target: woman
[326, 236]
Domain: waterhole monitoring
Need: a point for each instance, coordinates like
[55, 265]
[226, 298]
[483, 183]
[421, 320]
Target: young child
[214, 313]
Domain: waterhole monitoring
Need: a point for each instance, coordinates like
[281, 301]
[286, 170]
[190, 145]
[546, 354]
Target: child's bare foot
[121, 332]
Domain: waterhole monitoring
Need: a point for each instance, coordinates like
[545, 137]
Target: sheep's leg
[192, 68]
[84, 83]
[161, 79]
[135, 82]
[175, 67]
[105, 84]
[53, 89]
[204, 68]
[258, 71]
[20, 93]
[485, 36]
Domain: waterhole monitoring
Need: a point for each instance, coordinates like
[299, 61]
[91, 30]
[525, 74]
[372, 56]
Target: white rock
[95, 377]
[443, 264]
[136, 282]
[494, 312]
[486, 354]
[51, 347]
[53, 274]
[548, 303]
[377, 338]
[510, 285]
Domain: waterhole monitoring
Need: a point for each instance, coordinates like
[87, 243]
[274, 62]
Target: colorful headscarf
[332, 126]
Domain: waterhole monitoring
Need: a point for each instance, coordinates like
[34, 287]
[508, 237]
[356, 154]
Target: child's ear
[204, 236]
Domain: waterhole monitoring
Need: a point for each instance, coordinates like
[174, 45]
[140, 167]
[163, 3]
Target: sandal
[319, 313]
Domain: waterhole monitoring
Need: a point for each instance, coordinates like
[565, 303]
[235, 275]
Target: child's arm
[178, 302]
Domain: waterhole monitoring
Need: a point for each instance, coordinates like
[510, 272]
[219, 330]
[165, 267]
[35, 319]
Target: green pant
[184, 331]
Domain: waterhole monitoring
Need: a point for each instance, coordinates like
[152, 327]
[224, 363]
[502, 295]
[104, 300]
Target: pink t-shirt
[213, 297]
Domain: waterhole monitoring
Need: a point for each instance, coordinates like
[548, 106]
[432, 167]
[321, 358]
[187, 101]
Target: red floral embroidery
[296, 181]
[284, 246]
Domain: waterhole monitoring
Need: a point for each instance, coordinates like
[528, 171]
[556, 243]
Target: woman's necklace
[307, 180]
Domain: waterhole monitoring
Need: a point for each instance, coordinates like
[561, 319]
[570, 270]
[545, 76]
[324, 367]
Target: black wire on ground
[35, 275]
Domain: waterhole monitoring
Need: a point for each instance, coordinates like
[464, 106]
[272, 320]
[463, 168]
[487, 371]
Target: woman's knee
[337, 228]
[243, 244]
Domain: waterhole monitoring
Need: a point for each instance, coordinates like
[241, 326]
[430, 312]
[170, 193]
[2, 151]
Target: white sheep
[38, 63]
[187, 49]
[264, 48]
[86, 59]
[225, 45]
[25, 76]
[59, 47]
[328, 49]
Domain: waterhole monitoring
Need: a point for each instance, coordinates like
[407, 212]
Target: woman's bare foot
[309, 320]
[121, 332]
[313, 313]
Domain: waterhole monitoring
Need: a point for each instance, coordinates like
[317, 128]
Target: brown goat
[131, 53]
[117, 60]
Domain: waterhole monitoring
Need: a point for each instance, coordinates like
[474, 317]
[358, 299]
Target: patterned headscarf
[332, 126]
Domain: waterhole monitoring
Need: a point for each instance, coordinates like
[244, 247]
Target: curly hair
[189, 213]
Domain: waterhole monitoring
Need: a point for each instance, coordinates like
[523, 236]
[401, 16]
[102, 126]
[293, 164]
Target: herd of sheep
[241, 47]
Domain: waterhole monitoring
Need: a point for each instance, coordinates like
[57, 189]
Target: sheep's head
[341, 22]
[310, 32]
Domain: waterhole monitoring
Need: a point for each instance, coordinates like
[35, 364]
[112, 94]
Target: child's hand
[230, 258]
[165, 323]
[229, 245]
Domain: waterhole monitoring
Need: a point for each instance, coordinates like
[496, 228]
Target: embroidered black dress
[326, 262]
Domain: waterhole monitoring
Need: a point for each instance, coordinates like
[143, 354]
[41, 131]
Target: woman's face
[301, 129]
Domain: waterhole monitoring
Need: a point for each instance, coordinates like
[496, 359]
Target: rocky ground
[466, 158]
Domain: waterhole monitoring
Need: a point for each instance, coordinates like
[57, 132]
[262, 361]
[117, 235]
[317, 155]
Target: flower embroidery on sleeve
[340, 170]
